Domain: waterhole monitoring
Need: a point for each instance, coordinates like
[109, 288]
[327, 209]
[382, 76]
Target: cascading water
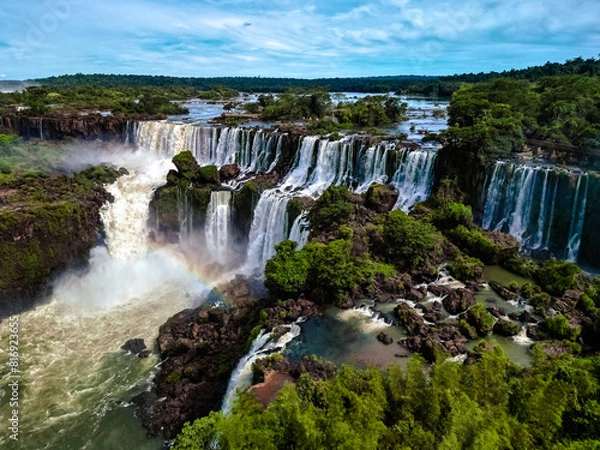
[252, 150]
[529, 202]
[300, 230]
[577, 219]
[413, 178]
[262, 346]
[269, 227]
[75, 381]
[218, 226]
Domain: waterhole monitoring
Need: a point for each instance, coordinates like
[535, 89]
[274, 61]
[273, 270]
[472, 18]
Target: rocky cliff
[78, 126]
[47, 223]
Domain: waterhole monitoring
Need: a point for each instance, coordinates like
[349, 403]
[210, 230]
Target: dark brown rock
[459, 300]
[134, 346]
[385, 338]
[503, 292]
[229, 172]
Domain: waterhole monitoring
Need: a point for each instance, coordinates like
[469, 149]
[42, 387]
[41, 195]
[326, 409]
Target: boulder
[385, 338]
[134, 346]
[459, 300]
[505, 327]
[503, 292]
[229, 172]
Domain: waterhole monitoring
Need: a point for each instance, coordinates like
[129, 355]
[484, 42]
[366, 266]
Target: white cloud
[344, 38]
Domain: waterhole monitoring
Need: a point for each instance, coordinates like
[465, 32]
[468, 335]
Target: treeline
[382, 84]
[488, 404]
[575, 66]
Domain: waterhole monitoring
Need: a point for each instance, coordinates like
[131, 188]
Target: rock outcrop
[200, 348]
[87, 127]
[45, 233]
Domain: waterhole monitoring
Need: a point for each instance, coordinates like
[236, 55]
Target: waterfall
[529, 201]
[218, 225]
[577, 219]
[299, 174]
[372, 167]
[269, 227]
[251, 149]
[125, 219]
[413, 178]
[241, 378]
[300, 230]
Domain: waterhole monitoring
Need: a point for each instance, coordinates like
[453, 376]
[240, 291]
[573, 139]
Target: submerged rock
[385, 338]
[135, 346]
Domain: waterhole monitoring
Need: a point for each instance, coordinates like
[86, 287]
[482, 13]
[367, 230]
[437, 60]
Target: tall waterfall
[355, 162]
[218, 226]
[269, 227]
[78, 381]
[413, 178]
[531, 203]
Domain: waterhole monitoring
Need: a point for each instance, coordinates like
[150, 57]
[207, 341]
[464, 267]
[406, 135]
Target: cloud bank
[291, 39]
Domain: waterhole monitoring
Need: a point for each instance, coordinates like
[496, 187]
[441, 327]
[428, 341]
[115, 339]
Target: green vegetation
[126, 100]
[474, 242]
[575, 66]
[466, 268]
[480, 319]
[492, 119]
[556, 277]
[50, 222]
[408, 240]
[367, 113]
[332, 209]
[489, 404]
[325, 272]
[370, 111]
[407, 84]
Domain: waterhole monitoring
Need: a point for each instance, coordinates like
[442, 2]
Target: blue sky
[291, 38]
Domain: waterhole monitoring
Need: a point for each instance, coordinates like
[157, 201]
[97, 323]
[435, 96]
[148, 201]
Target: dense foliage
[413, 84]
[128, 100]
[408, 240]
[489, 404]
[493, 118]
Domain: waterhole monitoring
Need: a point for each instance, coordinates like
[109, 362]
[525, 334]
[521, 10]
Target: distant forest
[403, 84]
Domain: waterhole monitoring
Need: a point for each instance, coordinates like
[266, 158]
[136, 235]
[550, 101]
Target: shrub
[332, 209]
[466, 268]
[450, 215]
[506, 328]
[519, 265]
[480, 319]
[186, 164]
[207, 175]
[556, 277]
[558, 327]
[408, 240]
[474, 243]
[287, 272]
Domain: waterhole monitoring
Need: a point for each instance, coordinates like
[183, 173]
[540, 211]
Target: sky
[283, 38]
